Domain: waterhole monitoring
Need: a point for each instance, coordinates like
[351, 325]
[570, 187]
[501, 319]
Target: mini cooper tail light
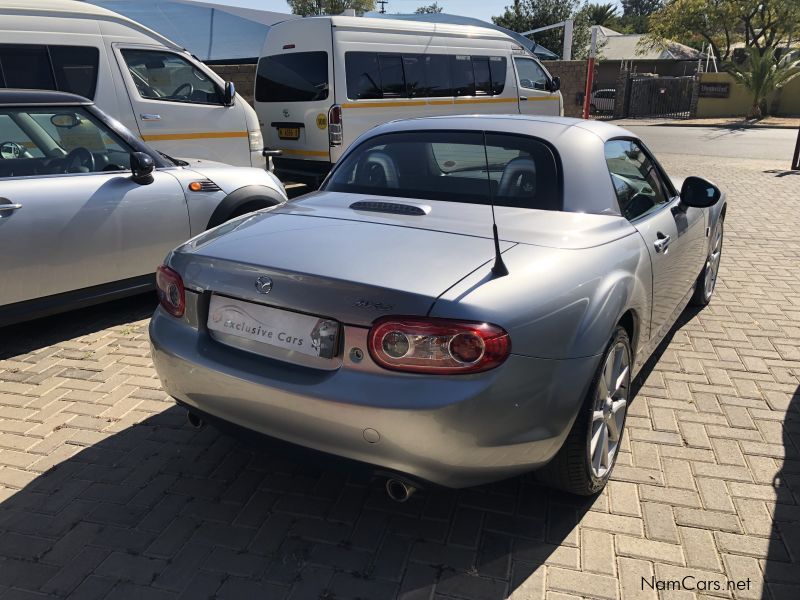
[171, 293]
[335, 131]
[431, 345]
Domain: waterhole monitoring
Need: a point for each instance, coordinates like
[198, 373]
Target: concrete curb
[628, 123]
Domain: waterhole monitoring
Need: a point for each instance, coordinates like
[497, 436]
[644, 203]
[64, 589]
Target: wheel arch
[251, 197]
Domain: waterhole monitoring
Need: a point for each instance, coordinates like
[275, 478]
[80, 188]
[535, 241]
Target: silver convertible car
[463, 300]
[87, 210]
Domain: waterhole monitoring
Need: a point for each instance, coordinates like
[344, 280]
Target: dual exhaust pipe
[397, 489]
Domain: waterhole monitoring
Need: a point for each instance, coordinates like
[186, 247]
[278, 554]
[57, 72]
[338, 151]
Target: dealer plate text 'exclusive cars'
[382, 319]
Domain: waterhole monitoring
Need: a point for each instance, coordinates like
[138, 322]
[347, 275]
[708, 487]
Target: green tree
[721, 24]
[641, 7]
[525, 15]
[601, 14]
[308, 8]
[762, 73]
[429, 9]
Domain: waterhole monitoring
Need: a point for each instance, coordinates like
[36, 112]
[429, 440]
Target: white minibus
[176, 103]
[322, 81]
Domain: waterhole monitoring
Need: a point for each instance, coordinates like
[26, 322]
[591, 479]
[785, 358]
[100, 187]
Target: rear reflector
[335, 125]
[288, 47]
[439, 346]
[171, 293]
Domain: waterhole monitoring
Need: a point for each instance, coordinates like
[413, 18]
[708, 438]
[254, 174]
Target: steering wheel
[77, 158]
[12, 148]
[178, 89]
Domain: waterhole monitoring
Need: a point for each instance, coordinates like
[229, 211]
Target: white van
[322, 81]
[176, 103]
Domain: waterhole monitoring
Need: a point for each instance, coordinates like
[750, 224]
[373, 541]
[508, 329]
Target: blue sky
[481, 9]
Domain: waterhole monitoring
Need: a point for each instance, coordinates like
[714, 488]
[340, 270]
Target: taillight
[171, 293]
[429, 345]
[335, 125]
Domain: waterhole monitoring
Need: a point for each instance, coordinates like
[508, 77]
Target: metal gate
[659, 96]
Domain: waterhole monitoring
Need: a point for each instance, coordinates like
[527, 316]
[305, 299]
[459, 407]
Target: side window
[166, 76]
[26, 67]
[75, 68]
[414, 68]
[34, 67]
[483, 76]
[498, 68]
[58, 141]
[636, 179]
[363, 76]
[393, 83]
[531, 75]
[437, 74]
[463, 76]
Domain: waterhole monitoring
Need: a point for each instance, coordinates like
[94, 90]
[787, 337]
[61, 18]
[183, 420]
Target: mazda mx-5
[463, 300]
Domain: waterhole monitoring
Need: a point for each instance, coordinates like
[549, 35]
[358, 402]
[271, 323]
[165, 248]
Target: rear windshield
[295, 77]
[456, 166]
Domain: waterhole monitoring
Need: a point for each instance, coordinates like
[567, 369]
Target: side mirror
[699, 193]
[229, 94]
[142, 166]
[555, 84]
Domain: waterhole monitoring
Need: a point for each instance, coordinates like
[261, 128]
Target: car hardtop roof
[527, 124]
[15, 97]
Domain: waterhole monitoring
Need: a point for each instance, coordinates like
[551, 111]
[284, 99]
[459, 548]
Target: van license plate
[289, 133]
[291, 331]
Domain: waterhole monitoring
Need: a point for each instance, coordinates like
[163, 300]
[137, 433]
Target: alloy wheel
[713, 261]
[609, 410]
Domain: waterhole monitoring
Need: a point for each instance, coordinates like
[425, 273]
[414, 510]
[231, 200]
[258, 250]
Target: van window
[414, 69]
[483, 77]
[160, 75]
[439, 82]
[498, 68]
[531, 75]
[393, 83]
[363, 76]
[452, 166]
[463, 75]
[34, 67]
[294, 77]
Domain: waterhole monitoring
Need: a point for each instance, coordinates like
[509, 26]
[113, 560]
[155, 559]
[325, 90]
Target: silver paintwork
[72, 231]
[573, 275]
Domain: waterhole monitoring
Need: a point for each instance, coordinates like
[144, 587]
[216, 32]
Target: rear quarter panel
[559, 304]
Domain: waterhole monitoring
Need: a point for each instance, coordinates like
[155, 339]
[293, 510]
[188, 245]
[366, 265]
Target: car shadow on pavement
[782, 172]
[160, 508]
[781, 574]
[31, 336]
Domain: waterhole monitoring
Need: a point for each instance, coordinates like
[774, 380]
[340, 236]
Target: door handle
[150, 117]
[9, 206]
[662, 243]
[523, 98]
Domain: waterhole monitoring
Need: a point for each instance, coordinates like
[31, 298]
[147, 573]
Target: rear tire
[584, 463]
[707, 280]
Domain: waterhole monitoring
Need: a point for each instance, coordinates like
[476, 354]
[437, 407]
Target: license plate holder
[289, 133]
[273, 327]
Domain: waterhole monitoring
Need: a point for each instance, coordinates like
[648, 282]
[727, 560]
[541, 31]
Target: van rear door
[294, 92]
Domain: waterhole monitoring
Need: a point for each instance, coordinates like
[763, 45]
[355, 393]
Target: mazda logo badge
[264, 285]
[286, 113]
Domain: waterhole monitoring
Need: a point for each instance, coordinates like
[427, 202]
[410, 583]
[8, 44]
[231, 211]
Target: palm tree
[601, 14]
[762, 74]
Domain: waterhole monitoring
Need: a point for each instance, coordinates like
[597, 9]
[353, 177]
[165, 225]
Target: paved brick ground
[106, 493]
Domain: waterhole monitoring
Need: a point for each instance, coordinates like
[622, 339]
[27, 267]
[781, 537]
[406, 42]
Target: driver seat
[519, 180]
[376, 169]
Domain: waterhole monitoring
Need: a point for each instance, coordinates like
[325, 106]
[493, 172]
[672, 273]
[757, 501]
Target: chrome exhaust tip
[195, 420]
[399, 490]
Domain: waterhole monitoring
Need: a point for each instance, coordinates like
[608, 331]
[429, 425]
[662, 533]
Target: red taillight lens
[429, 345]
[335, 125]
[171, 293]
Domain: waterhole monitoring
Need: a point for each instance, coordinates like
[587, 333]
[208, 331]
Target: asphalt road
[760, 144]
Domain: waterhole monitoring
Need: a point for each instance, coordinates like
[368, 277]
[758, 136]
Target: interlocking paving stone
[105, 492]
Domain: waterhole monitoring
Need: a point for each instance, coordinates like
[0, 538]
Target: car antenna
[499, 268]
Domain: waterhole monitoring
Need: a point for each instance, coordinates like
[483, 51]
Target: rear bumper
[310, 172]
[453, 431]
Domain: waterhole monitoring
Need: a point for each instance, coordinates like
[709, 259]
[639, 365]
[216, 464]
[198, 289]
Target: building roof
[212, 32]
[625, 46]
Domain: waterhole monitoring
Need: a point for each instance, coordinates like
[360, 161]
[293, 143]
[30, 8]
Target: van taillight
[335, 125]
